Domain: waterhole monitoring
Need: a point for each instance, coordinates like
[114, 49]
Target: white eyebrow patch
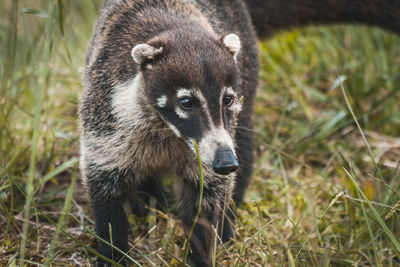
[162, 101]
[183, 92]
[201, 98]
[229, 90]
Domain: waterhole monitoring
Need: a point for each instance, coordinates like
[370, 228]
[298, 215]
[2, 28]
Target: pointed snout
[225, 161]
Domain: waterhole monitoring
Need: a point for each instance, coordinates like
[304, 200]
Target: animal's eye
[228, 100]
[186, 103]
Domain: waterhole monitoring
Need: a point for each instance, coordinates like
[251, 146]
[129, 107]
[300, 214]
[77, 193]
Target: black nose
[225, 161]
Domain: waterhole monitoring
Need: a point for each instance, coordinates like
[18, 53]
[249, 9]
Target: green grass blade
[358, 125]
[187, 244]
[42, 84]
[66, 210]
[378, 218]
[66, 165]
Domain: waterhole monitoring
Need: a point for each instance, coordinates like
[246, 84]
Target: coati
[162, 73]
[158, 75]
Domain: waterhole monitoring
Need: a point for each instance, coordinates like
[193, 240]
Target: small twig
[47, 227]
[392, 211]
[372, 202]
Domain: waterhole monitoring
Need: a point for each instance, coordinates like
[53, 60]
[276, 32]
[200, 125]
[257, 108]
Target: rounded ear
[144, 52]
[232, 43]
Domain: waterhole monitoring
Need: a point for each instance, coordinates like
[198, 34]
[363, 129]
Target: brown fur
[270, 16]
[126, 143]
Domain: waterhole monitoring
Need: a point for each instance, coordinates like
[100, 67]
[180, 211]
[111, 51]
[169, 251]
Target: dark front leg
[204, 234]
[227, 224]
[201, 242]
[112, 226]
[107, 190]
[143, 192]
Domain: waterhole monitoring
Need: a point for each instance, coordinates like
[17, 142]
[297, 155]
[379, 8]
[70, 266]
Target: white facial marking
[191, 145]
[232, 42]
[229, 90]
[204, 105]
[181, 114]
[162, 101]
[141, 52]
[174, 129]
[201, 98]
[211, 141]
[184, 92]
[236, 106]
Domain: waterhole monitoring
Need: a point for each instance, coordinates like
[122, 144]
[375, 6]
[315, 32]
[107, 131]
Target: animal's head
[192, 83]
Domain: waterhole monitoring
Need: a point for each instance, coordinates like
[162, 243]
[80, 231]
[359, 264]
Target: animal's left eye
[228, 100]
[186, 103]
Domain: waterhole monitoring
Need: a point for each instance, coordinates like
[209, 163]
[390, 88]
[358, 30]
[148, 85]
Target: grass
[325, 188]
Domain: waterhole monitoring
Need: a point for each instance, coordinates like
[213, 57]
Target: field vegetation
[325, 188]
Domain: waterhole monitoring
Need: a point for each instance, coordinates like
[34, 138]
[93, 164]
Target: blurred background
[325, 192]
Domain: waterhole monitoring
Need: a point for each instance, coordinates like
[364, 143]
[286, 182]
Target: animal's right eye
[228, 100]
[186, 103]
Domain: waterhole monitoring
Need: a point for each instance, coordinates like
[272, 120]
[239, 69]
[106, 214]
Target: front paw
[199, 261]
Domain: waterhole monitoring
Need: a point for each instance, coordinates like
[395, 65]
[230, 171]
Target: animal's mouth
[225, 161]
